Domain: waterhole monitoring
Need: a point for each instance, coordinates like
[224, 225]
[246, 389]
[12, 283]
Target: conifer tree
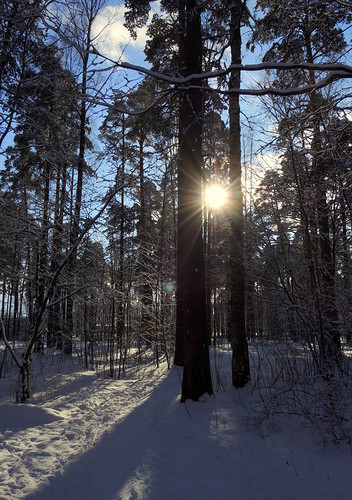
[310, 32]
[191, 324]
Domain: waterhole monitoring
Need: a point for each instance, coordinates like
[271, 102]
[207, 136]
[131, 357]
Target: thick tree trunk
[240, 360]
[331, 343]
[191, 299]
[24, 392]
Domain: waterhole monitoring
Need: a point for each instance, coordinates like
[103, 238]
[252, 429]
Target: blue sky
[113, 39]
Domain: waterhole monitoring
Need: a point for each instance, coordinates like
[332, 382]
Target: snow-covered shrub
[285, 382]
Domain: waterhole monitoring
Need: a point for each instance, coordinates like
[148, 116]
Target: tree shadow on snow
[161, 449]
[19, 417]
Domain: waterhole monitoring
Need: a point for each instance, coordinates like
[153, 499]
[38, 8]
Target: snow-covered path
[40, 440]
[103, 439]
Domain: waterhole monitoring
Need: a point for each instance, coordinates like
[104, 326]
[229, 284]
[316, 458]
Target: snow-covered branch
[333, 72]
[338, 70]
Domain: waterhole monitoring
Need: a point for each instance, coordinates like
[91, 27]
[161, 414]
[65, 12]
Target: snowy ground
[96, 439]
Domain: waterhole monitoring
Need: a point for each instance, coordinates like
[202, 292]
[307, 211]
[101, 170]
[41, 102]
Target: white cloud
[112, 38]
[254, 172]
[268, 161]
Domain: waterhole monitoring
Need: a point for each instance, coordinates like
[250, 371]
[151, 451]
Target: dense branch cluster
[108, 250]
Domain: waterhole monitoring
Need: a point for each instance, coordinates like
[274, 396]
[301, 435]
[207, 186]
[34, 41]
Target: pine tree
[191, 324]
[311, 32]
[240, 359]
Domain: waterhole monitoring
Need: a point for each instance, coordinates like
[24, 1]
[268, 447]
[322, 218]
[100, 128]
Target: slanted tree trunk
[240, 360]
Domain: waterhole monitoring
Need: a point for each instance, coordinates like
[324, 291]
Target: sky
[114, 39]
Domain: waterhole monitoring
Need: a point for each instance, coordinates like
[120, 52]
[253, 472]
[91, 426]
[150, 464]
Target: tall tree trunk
[331, 343]
[208, 271]
[191, 299]
[75, 223]
[180, 327]
[121, 273]
[43, 250]
[240, 359]
[54, 319]
[145, 288]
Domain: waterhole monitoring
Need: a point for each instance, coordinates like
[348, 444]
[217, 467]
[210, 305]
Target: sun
[215, 196]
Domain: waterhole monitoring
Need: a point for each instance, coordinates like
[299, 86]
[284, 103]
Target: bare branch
[89, 224]
[8, 345]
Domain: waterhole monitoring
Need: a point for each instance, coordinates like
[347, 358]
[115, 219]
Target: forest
[167, 204]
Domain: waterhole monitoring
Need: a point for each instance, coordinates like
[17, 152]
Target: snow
[85, 437]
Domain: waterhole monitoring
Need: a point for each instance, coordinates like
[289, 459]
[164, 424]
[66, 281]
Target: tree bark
[330, 339]
[240, 359]
[74, 230]
[121, 274]
[191, 300]
[180, 328]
